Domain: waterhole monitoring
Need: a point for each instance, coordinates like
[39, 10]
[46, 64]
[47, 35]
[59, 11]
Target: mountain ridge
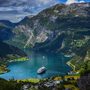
[6, 27]
[60, 20]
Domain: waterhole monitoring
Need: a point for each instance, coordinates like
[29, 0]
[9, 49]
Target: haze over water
[54, 63]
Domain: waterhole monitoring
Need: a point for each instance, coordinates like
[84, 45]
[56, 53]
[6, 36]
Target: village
[67, 82]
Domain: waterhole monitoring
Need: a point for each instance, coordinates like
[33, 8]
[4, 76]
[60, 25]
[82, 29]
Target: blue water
[54, 63]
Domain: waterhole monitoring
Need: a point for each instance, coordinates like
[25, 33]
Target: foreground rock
[84, 82]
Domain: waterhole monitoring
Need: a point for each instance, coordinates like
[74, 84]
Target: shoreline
[68, 55]
[25, 59]
[3, 67]
[20, 59]
[69, 64]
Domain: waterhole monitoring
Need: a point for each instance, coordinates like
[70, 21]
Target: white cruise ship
[41, 70]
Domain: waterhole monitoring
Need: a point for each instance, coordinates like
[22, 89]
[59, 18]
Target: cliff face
[61, 28]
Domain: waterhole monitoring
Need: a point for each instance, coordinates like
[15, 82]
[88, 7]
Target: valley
[60, 34]
[61, 28]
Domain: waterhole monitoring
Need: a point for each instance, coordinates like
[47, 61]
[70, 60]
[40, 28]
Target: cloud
[71, 1]
[82, 1]
[35, 3]
[13, 16]
[14, 9]
[74, 1]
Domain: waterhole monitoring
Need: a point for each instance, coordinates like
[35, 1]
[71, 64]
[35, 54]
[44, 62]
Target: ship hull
[41, 72]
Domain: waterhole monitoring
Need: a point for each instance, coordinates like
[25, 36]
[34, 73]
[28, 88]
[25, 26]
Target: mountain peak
[73, 10]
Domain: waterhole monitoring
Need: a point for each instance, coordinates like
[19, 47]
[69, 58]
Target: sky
[16, 10]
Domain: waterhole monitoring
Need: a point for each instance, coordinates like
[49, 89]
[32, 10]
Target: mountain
[6, 27]
[7, 53]
[10, 24]
[25, 19]
[80, 60]
[7, 23]
[61, 28]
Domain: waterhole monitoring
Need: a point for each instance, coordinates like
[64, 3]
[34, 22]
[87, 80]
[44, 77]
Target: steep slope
[25, 19]
[61, 28]
[7, 53]
[80, 60]
[7, 23]
[6, 27]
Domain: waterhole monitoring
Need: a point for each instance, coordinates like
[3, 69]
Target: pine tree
[85, 67]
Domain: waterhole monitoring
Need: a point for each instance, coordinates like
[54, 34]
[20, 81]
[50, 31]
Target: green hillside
[9, 53]
[80, 60]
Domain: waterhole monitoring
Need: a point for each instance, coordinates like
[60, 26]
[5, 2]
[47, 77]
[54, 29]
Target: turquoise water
[54, 63]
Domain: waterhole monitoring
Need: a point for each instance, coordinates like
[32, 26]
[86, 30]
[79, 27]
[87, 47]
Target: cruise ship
[41, 70]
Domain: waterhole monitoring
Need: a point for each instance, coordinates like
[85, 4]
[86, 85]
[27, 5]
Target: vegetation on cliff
[81, 60]
[9, 53]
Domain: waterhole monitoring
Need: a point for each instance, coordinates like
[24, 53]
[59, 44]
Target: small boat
[41, 70]
[43, 56]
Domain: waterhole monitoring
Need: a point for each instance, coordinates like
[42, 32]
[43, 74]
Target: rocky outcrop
[36, 35]
[84, 82]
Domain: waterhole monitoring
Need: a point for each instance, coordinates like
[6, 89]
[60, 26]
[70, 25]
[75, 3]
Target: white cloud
[74, 1]
[71, 1]
[13, 17]
[82, 1]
